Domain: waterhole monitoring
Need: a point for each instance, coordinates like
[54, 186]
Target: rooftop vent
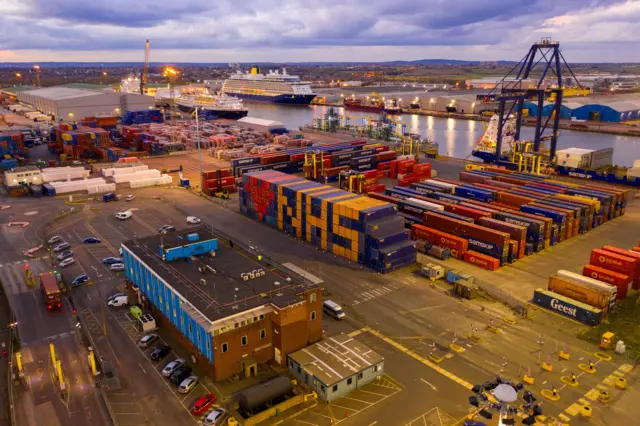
[276, 283]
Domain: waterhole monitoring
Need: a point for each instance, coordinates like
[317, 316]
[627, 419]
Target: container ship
[373, 103]
[220, 106]
[486, 145]
[275, 87]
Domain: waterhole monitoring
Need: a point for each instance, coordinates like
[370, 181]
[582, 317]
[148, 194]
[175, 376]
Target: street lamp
[198, 141]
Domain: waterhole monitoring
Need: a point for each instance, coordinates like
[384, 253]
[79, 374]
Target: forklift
[223, 194]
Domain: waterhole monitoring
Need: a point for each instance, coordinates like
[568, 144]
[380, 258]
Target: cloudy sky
[315, 30]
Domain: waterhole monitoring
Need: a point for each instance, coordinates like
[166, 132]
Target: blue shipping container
[567, 307]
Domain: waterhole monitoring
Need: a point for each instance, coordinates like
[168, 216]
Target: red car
[202, 404]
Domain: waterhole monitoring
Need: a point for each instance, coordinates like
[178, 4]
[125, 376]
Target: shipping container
[558, 218]
[601, 298]
[481, 260]
[517, 233]
[473, 213]
[628, 253]
[457, 246]
[567, 307]
[474, 193]
[625, 265]
[513, 199]
[535, 228]
[621, 282]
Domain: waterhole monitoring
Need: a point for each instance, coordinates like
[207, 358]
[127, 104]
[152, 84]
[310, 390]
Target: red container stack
[621, 281]
[481, 260]
[628, 253]
[614, 262]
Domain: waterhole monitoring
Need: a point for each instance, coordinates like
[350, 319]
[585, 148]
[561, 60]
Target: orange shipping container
[481, 260]
[590, 296]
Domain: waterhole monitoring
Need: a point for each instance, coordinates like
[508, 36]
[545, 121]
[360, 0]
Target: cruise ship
[276, 87]
[220, 106]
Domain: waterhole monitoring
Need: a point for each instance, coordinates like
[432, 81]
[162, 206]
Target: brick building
[231, 312]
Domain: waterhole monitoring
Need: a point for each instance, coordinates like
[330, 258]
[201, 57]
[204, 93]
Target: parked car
[215, 418]
[166, 228]
[171, 367]
[111, 260]
[109, 197]
[113, 296]
[180, 374]
[55, 239]
[117, 301]
[61, 247]
[188, 384]
[65, 254]
[124, 215]
[193, 220]
[68, 261]
[91, 240]
[117, 267]
[147, 340]
[80, 279]
[160, 352]
[202, 404]
[130, 197]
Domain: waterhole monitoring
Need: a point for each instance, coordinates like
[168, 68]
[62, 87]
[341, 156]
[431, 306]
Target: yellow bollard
[586, 411]
[547, 367]
[621, 383]
[528, 379]
[565, 355]
[456, 348]
[53, 354]
[19, 361]
[604, 396]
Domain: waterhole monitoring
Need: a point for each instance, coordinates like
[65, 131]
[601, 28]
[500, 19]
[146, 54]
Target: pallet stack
[352, 226]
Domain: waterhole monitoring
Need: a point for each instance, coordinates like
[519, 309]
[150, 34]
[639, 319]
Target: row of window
[238, 324]
[244, 340]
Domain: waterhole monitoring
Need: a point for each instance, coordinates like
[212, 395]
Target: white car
[117, 267]
[130, 197]
[55, 239]
[124, 215]
[193, 220]
[215, 417]
[171, 367]
[68, 261]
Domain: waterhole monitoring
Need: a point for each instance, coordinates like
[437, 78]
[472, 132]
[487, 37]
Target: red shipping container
[621, 281]
[355, 143]
[383, 197]
[296, 157]
[226, 181]
[512, 180]
[513, 249]
[421, 232]
[499, 170]
[482, 260]
[473, 178]
[516, 232]
[489, 185]
[628, 253]
[623, 264]
[636, 249]
[374, 188]
[386, 155]
[407, 181]
[457, 245]
[384, 166]
[467, 211]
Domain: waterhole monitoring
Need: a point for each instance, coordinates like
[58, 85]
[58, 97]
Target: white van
[333, 309]
[124, 215]
[118, 300]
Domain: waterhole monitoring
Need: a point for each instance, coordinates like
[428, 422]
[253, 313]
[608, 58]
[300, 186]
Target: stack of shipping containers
[358, 228]
[510, 215]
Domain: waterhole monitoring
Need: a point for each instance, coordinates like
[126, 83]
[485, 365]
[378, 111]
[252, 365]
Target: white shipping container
[427, 205]
[589, 282]
[633, 172]
[127, 170]
[144, 174]
[108, 187]
[444, 185]
[636, 164]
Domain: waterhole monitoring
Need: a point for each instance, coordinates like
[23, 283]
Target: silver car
[171, 367]
[117, 267]
[61, 247]
[147, 340]
[68, 261]
[55, 239]
[215, 417]
[188, 384]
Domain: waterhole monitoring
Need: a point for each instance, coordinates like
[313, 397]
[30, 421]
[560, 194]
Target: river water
[455, 137]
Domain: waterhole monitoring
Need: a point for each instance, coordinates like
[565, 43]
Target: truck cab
[111, 196]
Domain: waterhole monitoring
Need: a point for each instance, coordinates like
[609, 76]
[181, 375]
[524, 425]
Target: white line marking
[143, 370]
[432, 387]
[372, 393]
[359, 400]
[346, 408]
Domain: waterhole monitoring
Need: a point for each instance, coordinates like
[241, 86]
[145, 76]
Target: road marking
[372, 393]
[345, 408]
[421, 359]
[359, 400]
[355, 333]
[308, 423]
[432, 387]
[143, 370]
[373, 423]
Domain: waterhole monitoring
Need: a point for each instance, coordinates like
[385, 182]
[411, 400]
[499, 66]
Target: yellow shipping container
[561, 182]
[591, 201]
[280, 225]
[323, 243]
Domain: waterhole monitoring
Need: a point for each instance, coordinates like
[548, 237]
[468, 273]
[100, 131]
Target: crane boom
[145, 71]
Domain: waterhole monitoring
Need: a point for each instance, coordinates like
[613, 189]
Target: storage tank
[257, 396]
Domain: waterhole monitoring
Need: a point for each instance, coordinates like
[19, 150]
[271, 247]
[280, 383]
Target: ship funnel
[255, 70]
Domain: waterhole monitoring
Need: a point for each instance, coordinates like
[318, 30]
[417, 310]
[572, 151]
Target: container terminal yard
[162, 271]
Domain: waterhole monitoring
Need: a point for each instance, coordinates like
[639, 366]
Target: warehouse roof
[260, 122]
[224, 292]
[336, 358]
[87, 86]
[17, 89]
[61, 92]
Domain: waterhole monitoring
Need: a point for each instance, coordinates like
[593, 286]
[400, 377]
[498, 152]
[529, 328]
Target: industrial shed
[71, 104]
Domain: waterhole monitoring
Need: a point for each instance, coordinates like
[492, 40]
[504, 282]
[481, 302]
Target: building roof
[87, 86]
[225, 293]
[260, 122]
[17, 89]
[58, 93]
[625, 105]
[336, 358]
[26, 169]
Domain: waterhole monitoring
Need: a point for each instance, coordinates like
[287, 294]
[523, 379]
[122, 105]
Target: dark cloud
[249, 24]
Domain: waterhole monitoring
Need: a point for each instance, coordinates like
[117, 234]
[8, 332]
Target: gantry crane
[145, 71]
[514, 92]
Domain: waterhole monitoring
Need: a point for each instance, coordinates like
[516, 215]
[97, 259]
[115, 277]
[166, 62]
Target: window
[375, 368]
[243, 323]
[263, 334]
[299, 370]
[198, 337]
[244, 340]
[190, 329]
[313, 315]
[290, 364]
[225, 347]
[261, 317]
[313, 298]
[236, 325]
[255, 319]
[335, 388]
[207, 343]
[359, 376]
